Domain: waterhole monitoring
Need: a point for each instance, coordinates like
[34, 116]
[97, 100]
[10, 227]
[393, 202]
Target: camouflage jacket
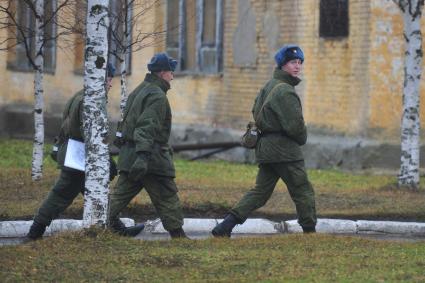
[72, 125]
[280, 120]
[146, 126]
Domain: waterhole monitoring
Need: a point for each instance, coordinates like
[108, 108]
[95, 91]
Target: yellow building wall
[242, 83]
[334, 89]
[17, 87]
[193, 98]
[336, 74]
[387, 71]
[351, 86]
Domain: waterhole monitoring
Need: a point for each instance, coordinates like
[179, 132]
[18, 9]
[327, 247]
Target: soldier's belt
[276, 133]
[163, 147]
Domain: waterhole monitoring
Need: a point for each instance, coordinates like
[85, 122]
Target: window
[334, 18]
[194, 34]
[118, 24]
[25, 20]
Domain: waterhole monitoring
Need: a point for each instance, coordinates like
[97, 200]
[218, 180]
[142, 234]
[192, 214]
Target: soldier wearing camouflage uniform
[145, 158]
[278, 115]
[71, 182]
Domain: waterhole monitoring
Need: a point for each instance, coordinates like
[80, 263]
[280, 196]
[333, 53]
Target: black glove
[112, 169]
[140, 167]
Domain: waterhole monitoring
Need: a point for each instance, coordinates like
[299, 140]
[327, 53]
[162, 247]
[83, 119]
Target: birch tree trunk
[123, 84]
[123, 57]
[37, 153]
[95, 114]
[410, 125]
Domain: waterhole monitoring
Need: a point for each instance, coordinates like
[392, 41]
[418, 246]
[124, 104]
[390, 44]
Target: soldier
[71, 181]
[145, 159]
[278, 115]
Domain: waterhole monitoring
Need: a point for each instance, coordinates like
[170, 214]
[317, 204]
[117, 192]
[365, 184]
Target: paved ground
[12, 232]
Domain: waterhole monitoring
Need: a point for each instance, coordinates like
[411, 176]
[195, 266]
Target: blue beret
[162, 62]
[110, 70]
[287, 53]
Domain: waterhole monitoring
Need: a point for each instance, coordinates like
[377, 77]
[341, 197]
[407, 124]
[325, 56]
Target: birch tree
[95, 114]
[37, 153]
[24, 34]
[120, 32]
[126, 35]
[409, 169]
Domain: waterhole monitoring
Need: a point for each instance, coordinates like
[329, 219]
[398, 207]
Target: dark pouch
[251, 135]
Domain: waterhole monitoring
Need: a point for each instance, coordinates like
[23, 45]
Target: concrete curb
[11, 229]
[251, 226]
[390, 227]
[324, 225]
[199, 225]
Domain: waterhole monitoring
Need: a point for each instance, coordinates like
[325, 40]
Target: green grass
[209, 189]
[18, 154]
[101, 256]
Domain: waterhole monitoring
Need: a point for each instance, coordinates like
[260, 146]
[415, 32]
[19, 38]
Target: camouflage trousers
[63, 193]
[162, 191]
[293, 174]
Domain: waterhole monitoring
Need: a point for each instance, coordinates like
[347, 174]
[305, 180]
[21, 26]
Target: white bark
[410, 125]
[123, 56]
[37, 154]
[95, 114]
[123, 84]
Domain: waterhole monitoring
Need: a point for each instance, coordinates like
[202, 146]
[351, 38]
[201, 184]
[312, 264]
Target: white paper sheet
[75, 155]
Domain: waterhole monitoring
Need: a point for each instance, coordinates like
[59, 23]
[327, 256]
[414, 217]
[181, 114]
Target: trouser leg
[301, 191]
[66, 189]
[125, 190]
[259, 195]
[163, 194]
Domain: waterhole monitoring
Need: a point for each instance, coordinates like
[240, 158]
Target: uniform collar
[154, 79]
[281, 75]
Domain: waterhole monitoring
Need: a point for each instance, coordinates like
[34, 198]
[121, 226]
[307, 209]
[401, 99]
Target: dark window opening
[334, 21]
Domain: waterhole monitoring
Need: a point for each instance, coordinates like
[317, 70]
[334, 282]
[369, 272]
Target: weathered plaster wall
[193, 97]
[387, 71]
[244, 78]
[351, 86]
[17, 87]
[336, 74]
[335, 80]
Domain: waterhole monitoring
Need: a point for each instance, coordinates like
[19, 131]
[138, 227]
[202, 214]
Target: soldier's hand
[54, 153]
[140, 167]
[112, 169]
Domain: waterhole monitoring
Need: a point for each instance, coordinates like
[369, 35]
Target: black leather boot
[177, 233]
[118, 227]
[36, 231]
[224, 229]
[308, 230]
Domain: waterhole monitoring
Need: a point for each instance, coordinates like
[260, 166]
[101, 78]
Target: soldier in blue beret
[145, 160]
[161, 62]
[278, 115]
[288, 53]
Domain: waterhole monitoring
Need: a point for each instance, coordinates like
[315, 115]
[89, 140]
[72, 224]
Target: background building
[352, 79]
